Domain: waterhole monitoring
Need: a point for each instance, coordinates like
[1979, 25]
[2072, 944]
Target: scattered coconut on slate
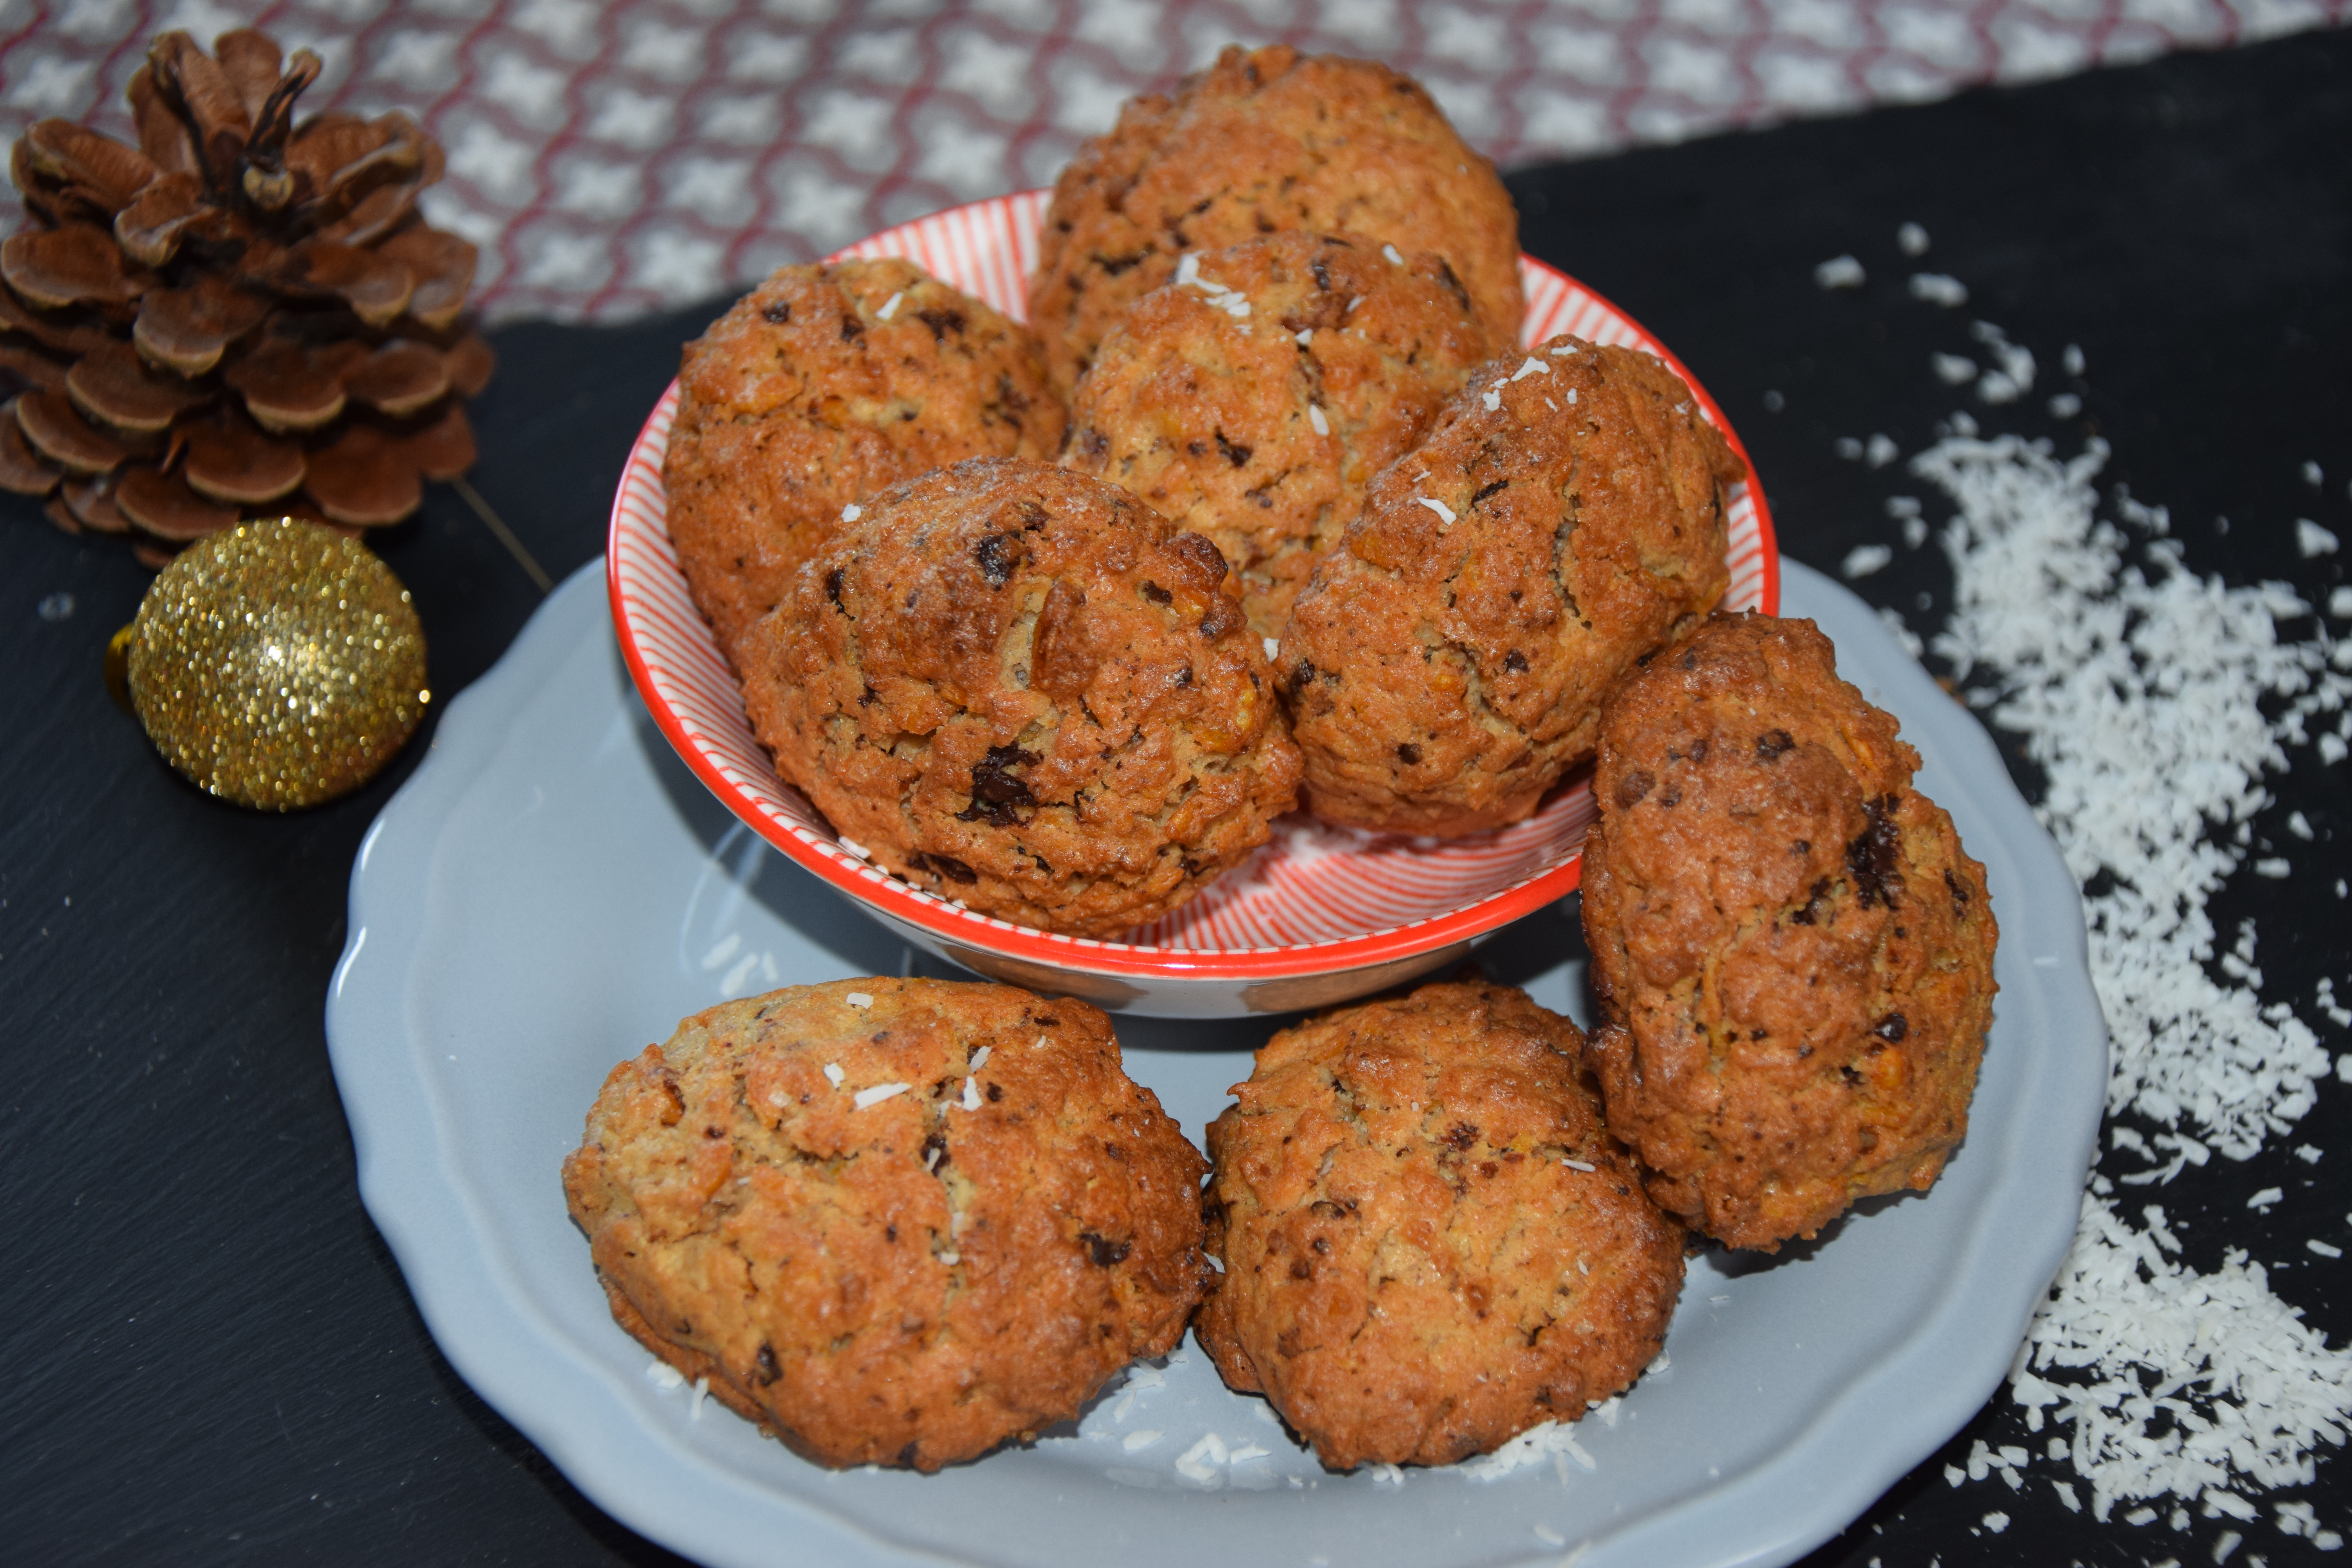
[2140, 690]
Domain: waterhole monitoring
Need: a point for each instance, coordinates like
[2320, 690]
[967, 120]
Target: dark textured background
[209, 1353]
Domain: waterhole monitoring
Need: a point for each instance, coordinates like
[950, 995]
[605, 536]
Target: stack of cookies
[1266, 509]
[1269, 509]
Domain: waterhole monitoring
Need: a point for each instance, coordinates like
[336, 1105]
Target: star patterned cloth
[619, 158]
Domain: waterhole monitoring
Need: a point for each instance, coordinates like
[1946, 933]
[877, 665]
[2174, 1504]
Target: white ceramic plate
[553, 889]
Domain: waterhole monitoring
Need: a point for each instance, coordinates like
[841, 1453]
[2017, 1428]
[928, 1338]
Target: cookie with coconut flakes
[1792, 952]
[1430, 1241]
[823, 385]
[1263, 142]
[1253, 399]
[894, 1222]
[1444, 667]
[1019, 687]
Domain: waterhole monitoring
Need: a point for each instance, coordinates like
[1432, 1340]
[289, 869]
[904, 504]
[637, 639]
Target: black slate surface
[209, 1353]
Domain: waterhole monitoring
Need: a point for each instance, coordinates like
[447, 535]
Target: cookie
[1020, 688]
[1430, 1241]
[821, 386]
[1444, 667]
[1793, 955]
[1254, 398]
[894, 1222]
[1265, 141]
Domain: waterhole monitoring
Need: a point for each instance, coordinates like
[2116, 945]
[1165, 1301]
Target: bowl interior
[1314, 899]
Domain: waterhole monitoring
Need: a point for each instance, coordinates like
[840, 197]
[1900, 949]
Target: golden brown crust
[1443, 674]
[1016, 686]
[1266, 140]
[1415, 1271]
[1254, 401]
[1792, 952]
[803, 399]
[912, 1282]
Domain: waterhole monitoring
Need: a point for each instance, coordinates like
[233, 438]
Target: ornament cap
[118, 667]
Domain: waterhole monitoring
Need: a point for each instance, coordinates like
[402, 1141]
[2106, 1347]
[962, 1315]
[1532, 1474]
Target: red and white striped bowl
[1317, 916]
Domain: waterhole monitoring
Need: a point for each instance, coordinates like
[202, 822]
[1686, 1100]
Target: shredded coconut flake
[1137, 1440]
[857, 848]
[1218, 297]
[852, 512]
[1494, 400]
[1939, 289]
[1536, 1445]
[1305, 336]
[1272, 648]
[2012, 376]
[877, 1094]
[1394, 256]
[1315, 418]
[2312, 539]
[832, 1074]
[661, 1375]
[701, 1392]
[859, 999]
[1200, 1460]
[1839, 272]
[1530, 366]
[1912, 238]
[889, 307]
[1445, 514]
[1579, 1165]
[970, 1100]
[1864, 559]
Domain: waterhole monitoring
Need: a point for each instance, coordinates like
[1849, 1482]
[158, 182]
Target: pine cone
[237, 315]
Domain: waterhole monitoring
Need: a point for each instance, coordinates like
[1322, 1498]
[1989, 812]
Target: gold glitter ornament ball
[278, 665]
